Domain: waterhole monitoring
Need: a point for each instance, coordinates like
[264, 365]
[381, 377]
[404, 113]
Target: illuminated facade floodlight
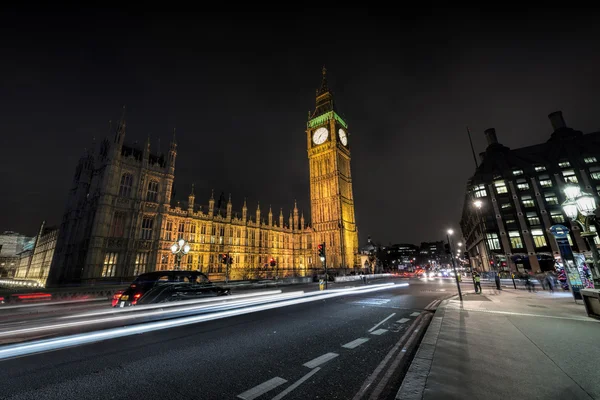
[478, 203]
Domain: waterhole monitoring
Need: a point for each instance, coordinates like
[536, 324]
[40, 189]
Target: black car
[167, 286]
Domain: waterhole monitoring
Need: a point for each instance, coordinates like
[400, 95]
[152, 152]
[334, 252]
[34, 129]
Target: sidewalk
[507, 344]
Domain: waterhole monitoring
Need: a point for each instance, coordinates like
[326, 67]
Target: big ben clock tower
[331, 199]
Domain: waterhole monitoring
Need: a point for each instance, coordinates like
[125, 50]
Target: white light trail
[37, 346]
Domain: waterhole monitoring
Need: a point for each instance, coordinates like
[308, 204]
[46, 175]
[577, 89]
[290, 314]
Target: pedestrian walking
[477, 280]
[542, 279]
[549, 281]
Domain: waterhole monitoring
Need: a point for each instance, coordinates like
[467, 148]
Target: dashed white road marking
[415, 314]
[320, 360]
[403, 320]
[261, 389]
[379, 332]
[355, 343]
[388, 317]
[296, 384]
[376, 302]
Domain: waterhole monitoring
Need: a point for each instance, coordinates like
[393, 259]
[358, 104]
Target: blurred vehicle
[167, 286]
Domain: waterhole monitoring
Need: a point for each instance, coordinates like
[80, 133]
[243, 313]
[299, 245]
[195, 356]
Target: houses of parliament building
[120, 219]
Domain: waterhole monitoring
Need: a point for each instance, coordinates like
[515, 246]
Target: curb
[413, 384]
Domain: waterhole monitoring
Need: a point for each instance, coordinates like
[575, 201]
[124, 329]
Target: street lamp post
[580, 207]
[448, 233]
[180, 248]
[478, 204]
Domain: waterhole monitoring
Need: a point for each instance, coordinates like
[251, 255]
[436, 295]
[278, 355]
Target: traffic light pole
[326, 277]
[227, 263]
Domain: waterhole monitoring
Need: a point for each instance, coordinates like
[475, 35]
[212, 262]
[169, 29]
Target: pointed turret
[270, 216]
[120, 132]
[290, 222]
[295, 215]
[258, 213]
[211, 203]
[146, 157]
[191, 199]
[244, 211]
[172, 154]
[229, 207]
[324, 100]
[302, 221]
[281, 217]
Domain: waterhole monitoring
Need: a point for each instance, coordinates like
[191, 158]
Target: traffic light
[223, 258]
[321, 248]
[272, 262]
[466, 255]
[230, 260]
[447, 248]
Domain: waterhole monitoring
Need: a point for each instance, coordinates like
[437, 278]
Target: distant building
[521, 192]
[400, 256]
[432, 254]
[35, 260]
[11, 244]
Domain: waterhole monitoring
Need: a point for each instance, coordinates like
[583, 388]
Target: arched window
[126, 183]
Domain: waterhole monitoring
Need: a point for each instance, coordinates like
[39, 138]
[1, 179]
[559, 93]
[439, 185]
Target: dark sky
[238, 88]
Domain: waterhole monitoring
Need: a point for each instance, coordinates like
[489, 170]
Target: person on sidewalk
[477, 280]
[541, 278]
[549, 278]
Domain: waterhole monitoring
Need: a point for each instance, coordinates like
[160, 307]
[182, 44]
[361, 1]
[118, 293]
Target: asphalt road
[314, 350]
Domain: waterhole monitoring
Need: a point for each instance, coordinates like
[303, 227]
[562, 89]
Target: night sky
[238, 88]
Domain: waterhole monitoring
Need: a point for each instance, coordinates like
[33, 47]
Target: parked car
[168, 286]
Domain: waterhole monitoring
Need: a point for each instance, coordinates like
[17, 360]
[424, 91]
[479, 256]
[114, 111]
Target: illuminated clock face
[343, 137]
[320, 135]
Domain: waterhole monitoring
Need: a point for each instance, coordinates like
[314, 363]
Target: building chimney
[490, 135]
[557, 120]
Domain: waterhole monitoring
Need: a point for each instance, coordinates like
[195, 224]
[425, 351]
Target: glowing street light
[448, 233]
[179, 249]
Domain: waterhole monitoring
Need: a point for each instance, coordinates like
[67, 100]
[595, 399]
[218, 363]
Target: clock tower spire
[331, 198]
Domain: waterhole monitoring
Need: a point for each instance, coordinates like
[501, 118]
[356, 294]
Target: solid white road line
[415, 314]
[320, 360]
[261, 389]
[355, 343]
[429, 305]
[375, 327]
[379, 332]
[403, 320]
[296, 384]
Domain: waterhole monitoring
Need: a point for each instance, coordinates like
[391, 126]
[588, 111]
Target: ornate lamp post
[580, 207]
[180, 248]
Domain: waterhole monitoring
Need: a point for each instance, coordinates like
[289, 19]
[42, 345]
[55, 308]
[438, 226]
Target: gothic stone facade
[120, 220]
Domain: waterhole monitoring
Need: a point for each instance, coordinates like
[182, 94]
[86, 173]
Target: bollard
[321, 285]
[513, 279]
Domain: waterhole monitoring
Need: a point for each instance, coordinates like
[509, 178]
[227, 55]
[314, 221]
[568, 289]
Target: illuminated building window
[596, 238]
[141, 262]
[126, 183]
[564, 164]
[510, 221]
[147, 223]
[515, 240]
[545, 183]
[152, 193]
[517, 172]
[538, 238]
[557, 217]
[169, 230]
[500, 187]
[590, 160]
[533, 218]
[595, 176]
[523, 186]
[527, 202]
[540, 168]
[551, 199]
[492, 240]
[109, 267]
[506, 205]
[569, 176]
